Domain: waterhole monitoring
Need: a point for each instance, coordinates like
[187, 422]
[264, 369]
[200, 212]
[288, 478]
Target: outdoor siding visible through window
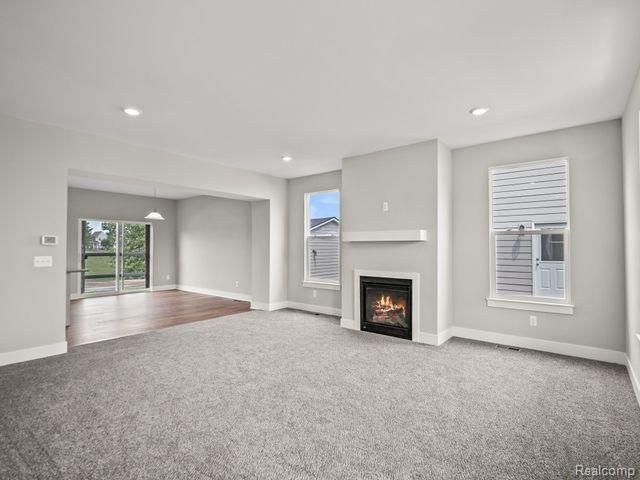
[529, 229]
[322, 237]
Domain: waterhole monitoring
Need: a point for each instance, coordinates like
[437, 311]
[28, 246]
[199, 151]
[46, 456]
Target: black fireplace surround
[385, 306]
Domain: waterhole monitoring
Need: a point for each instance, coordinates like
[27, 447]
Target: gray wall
[91, 204]
[260, 248]
[595, 163]
[631, 146]
[214, 244]
[406, 177]
[297, 188]
[33, 195]
[35, 161]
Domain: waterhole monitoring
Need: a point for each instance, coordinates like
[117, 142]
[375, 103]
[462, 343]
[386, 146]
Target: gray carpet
[289, 395]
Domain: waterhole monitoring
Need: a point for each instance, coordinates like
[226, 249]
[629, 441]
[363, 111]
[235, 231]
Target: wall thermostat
[49, 239]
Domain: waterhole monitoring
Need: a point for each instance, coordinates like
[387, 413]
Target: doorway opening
[115, 257]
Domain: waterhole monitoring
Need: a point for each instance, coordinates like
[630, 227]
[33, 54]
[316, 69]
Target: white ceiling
[245, 82]
[130, 186]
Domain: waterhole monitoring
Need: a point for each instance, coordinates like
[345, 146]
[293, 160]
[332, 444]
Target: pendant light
[154, 215]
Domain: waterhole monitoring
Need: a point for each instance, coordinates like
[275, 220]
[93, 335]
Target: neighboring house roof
[318, 222]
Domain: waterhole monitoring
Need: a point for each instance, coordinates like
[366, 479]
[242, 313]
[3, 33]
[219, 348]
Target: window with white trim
[322, 238]
[529, 230]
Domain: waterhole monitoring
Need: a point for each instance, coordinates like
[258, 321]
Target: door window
[552, 248]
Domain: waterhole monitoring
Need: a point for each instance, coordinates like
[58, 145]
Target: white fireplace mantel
[385, 236]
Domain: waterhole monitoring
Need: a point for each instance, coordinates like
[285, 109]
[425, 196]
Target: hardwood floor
[102, 318]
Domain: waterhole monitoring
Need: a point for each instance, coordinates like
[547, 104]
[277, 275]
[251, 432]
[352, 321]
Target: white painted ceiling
[104, 183]
[245, 82]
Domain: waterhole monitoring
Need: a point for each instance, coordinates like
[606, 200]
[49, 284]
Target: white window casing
[321, 250]
[529, 236]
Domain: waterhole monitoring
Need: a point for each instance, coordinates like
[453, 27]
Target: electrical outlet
[533, 321]
[168, 277]
[40, 262]
[237, 283]
[315, 294]
[385, 206]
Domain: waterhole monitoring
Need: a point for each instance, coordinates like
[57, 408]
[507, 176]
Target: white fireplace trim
[415, 297]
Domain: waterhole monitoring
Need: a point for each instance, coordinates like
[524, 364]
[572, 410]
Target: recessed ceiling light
[287, 158]
[478, 111]
[132, 111]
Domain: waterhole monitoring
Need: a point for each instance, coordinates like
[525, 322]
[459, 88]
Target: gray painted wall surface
[631, 152]
[406, 177]
[34, 163]
[297, 189]
[91, 204]
[260, 248]
[595, 163]
[214, 244]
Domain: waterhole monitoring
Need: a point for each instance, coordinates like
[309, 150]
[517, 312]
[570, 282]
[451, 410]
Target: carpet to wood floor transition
[290, 395]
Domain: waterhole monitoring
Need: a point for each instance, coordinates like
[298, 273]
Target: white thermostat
[49, 239]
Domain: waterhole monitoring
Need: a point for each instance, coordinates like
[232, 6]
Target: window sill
[321, 285]
[531, 305]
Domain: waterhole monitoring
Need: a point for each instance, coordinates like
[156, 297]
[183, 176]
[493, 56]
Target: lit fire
[385, 305]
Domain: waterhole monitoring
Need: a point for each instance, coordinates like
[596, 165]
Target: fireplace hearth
[385, 306]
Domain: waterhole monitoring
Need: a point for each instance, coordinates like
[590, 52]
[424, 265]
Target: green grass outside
[106, 266]
[100, 265]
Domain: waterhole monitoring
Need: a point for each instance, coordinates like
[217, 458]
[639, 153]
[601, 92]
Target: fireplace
[385, 306]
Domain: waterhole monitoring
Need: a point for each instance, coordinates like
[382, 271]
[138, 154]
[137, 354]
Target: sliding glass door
[135, 256]
[115, 256]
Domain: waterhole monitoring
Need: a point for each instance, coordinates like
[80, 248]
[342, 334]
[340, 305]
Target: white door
[548, 265]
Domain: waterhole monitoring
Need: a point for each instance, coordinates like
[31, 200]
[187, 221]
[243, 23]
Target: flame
[386, 304]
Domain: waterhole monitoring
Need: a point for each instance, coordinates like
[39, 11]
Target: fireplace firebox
[385, 306]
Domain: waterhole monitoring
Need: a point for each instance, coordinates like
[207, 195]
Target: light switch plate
[44, 261]
[49, 240]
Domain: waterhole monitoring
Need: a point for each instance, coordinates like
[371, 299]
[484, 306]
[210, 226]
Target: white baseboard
[428, 338]
[259, 306]
[307, 307]
[215, 293]
[16, 356]
[268, 307]
[634, 380]
[162, 288]
[435, 339]
[277, 306]
[570, 349]
[347, 323]
[445, 336]
[75, 296]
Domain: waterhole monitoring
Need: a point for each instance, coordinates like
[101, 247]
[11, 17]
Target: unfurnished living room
[320, 240]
